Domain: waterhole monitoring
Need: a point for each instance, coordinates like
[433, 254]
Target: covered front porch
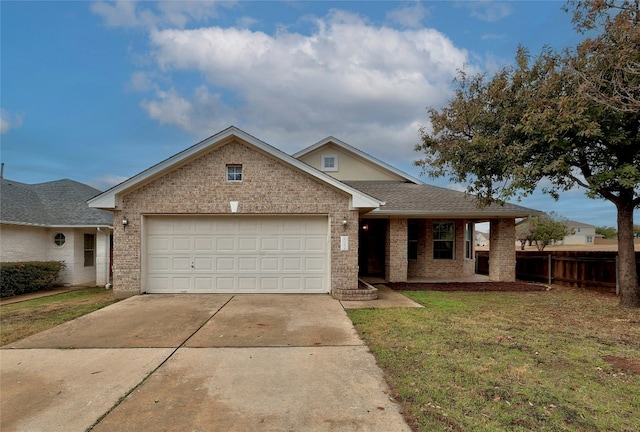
[429, 250]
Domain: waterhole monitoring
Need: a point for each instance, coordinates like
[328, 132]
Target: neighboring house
[234, 214]
[580, 233]
[482, 239]
[52, 222]
[583, 234]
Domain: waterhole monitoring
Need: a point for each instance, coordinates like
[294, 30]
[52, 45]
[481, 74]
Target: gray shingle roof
[433, 201]
[56, 203]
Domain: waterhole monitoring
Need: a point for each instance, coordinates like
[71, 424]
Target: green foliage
[543, 120]
[607, 232]
[26, 277]
[548, 228]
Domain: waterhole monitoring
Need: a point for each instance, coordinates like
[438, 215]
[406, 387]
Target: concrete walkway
[208, 362]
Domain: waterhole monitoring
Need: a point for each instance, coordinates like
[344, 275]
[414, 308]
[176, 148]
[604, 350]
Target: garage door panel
[247, 284]
[181, 244]
[292, 244]
[314, 264]
[159, 264]
[269, 284]
[225, 264]
[236, 254]
[203, 244]
[203, 284]
[313, 284]
[181, 284]
[180, 264]
[225, 244]
[247, 264]
[269, 263]
[270, 244]
[203, 264]
[159, 244]
[315, 244]
[225, 283]
[292, 264]
[248, 245]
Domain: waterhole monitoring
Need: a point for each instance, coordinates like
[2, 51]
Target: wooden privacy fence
[583, 269]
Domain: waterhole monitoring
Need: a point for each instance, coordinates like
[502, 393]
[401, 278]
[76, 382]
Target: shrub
[26, 277]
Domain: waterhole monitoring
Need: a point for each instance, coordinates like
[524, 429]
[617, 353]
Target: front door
[371, 249]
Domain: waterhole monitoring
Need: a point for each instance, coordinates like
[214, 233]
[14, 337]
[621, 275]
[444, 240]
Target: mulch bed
[467, 286]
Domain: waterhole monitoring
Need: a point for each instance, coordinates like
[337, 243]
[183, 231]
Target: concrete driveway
[207, 362]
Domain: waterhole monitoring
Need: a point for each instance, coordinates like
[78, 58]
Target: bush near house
[25, 277]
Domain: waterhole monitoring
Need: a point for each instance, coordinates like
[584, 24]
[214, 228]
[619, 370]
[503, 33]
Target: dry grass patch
[19, 320]
[560, 360]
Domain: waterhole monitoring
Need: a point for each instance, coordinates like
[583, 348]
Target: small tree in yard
[524, 234]
[548, 228]
[569, 118]
[607, 232]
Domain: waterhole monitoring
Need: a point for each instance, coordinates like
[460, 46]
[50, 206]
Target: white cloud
[409, 15]
[9, 120]
[364, 84]
[140, 81]
[488, 10]
[130, 13]
[170, 108]
[106, 181]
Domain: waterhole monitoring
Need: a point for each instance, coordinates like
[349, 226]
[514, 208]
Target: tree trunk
[628, 275]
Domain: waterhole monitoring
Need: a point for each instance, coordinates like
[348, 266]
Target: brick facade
[268, 187]
[426, 267]
[396, 250]
[502, 253]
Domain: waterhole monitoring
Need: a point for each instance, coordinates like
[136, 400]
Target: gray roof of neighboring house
[57, 203]
[575, 224]
[401, 198]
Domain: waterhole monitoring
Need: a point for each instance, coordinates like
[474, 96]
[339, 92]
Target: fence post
[617, 278]
[550, 271]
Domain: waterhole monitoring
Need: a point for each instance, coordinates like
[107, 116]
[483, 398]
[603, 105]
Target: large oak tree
[556, 121]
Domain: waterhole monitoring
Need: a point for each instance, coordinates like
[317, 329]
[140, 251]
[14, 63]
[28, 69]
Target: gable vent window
[329, 163]
[234, 173]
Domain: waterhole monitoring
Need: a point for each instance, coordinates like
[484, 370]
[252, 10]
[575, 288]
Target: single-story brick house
[52, 222]
[234, 214]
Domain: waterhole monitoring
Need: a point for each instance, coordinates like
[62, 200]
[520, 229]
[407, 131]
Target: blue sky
[99, 91]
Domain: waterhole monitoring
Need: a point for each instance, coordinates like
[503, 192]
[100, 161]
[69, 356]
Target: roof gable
[353, 164]
[111, 198]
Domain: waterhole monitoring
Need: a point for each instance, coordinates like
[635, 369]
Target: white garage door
[243, 254]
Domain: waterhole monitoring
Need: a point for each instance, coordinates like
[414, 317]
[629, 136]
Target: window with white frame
[443, 240]
[329, 162]
[89, 250]
[468, 240]
[234, 173]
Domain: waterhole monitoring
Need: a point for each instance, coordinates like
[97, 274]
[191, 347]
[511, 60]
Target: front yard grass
[560, 360]
[19, 320]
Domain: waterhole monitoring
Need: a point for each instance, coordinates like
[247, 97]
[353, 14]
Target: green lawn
[19, 320]
[561, 360]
